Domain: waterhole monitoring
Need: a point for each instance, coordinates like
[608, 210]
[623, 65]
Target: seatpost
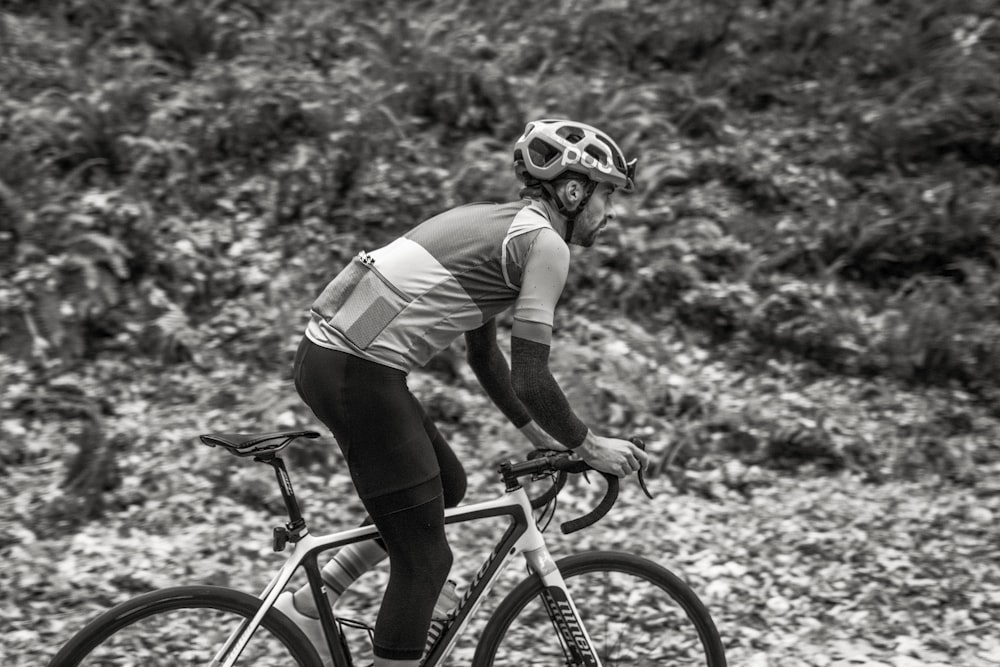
[296, 526]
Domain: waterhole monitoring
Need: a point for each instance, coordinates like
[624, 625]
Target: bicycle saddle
[254, 444]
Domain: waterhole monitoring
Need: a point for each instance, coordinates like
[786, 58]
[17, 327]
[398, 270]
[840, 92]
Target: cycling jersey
[404, 302]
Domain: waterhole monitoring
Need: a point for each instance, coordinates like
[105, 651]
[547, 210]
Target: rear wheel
[186, 625]
[636, 612]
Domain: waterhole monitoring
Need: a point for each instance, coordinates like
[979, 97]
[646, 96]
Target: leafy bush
[97, 271]
[930, 332]
[753, 184]
[923, 230]
[813, 321]
[147, 189]
[952, 114]
[936, 332]
[944, 100]
[670, 35]
[68, 286]
[184, 33]
[32, 58]
[676, 259]
[718, 309]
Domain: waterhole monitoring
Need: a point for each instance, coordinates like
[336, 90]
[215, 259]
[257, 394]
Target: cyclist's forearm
[493, 373]
[539, 437]
[541, 395]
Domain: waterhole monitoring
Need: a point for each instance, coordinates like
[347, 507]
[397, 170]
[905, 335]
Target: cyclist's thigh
[378, 424]
[453, 478]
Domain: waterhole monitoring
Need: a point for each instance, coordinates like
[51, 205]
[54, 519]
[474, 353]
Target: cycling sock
[343, 570]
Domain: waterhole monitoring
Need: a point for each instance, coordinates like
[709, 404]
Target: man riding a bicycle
[392, 308]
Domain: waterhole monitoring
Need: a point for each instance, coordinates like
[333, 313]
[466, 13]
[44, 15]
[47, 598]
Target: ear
[572, 193]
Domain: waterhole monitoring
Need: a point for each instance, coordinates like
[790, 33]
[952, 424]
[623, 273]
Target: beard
[591, 238]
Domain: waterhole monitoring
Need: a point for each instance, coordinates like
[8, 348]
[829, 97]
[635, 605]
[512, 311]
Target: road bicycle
[588, 609]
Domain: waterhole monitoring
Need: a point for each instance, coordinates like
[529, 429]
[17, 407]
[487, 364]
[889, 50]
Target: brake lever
[640, 443]
[642, 485]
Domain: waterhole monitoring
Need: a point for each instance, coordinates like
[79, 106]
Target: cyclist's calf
[419, 561]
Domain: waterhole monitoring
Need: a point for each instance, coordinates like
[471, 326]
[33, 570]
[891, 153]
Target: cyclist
[391, 309]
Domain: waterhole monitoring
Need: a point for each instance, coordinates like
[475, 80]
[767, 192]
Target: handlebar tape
[596, 514]
[565, 466]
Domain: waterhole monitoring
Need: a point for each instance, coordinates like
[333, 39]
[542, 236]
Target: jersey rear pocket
[339, 290]
[360, 303]
[376, 317]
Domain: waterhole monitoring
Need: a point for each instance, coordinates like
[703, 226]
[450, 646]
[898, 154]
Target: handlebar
[555, 463]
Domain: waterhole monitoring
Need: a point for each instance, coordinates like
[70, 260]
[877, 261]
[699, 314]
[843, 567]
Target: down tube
[488, 574]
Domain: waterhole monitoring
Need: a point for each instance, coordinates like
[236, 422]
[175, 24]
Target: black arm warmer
[540, 393]
[493, 373]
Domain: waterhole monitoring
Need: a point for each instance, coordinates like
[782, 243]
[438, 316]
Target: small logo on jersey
[573, 155]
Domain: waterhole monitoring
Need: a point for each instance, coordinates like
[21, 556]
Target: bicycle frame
[522, 537]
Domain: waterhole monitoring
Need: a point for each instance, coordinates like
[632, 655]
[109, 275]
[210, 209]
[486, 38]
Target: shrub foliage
[818, 180]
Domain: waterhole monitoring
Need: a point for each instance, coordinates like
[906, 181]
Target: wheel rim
[180, 627]
[632, 621]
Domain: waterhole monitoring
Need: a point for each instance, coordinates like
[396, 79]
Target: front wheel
[186, 625]
[636, 612]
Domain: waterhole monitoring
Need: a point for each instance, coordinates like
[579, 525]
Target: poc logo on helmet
[573, 155]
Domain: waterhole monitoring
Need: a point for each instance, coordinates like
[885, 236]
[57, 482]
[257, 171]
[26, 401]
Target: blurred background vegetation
[819, 192]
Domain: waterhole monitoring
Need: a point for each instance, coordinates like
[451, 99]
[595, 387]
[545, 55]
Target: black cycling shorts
[397, 457]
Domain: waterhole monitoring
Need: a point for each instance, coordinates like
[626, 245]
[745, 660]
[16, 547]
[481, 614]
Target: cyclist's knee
[453, 479]
[419, 567]
[443, 560]
[431, 554]
[416, 535]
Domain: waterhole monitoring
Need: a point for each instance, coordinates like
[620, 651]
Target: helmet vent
[616, 156]
[542, 153]
[600, 156]
[571, 134]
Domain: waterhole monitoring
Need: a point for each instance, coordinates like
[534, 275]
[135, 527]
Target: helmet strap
[561, 207]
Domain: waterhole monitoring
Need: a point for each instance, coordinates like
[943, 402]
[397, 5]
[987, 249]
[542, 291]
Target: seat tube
[330, 629]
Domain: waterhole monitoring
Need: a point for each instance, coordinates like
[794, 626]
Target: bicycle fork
[576, 642]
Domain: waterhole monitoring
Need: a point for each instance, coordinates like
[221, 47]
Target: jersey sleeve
[542, 282]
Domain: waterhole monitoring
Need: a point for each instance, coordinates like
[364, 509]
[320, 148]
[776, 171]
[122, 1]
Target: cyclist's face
[594, 216]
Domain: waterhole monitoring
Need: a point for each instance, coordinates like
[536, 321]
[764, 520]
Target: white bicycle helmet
[549, 148]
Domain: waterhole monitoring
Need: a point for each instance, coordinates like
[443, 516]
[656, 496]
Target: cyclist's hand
[538, 438]
[612, 455]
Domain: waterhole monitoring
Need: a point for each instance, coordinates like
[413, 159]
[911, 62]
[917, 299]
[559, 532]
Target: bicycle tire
[184, 625]
[637, 613]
